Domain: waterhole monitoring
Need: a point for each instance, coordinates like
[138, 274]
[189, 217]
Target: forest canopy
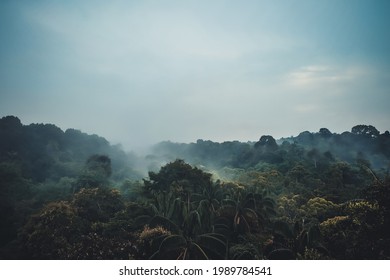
[70, 195]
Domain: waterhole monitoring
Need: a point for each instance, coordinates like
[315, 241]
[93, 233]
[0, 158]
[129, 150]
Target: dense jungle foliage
[69, 195]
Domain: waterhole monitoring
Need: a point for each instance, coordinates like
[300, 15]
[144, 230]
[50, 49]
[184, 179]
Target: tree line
[69, 195]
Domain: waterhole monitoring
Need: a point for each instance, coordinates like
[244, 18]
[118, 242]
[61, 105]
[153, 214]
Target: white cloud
[332, 79]
[318, 76]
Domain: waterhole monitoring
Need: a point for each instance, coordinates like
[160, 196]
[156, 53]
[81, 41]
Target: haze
[139, 72]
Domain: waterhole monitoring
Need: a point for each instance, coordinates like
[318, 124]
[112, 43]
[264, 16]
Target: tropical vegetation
[70, 195]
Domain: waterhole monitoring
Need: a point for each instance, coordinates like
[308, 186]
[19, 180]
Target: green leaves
[165, 223]
[172, 243]
[180, 176]
[205, 246]
[213, 244]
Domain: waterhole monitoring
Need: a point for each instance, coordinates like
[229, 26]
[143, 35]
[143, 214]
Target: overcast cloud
[139, 72]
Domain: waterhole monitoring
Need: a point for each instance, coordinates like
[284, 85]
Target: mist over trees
[70, 195]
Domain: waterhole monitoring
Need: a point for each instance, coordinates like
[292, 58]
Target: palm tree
[168, 205]
[249, 214]
[235, 218]
[204, 246]
[291, 242]
[207, 203]
[189, 242]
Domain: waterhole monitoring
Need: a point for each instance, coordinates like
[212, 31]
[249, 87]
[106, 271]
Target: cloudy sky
[138, 72]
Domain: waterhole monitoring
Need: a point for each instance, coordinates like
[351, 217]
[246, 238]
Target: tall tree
[366, 130]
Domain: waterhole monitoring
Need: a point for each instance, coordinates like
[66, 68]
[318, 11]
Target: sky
[140, 72]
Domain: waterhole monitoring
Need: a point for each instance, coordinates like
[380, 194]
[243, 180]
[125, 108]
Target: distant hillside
[363, 143]
[44, 151]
